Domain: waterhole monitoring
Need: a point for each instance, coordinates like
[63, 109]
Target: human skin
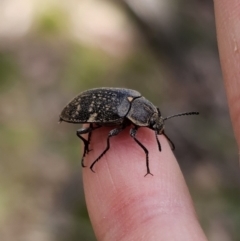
[125, 205]
[227, 15]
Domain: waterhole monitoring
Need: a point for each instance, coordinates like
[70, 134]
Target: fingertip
[122, 196]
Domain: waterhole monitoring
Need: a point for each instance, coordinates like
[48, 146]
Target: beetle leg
[169, 141]
[90, 134]
[133, 133]
[86, 142]
[112, 133]
[158, 142]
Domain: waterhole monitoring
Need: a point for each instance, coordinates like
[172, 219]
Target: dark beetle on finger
[118, 107]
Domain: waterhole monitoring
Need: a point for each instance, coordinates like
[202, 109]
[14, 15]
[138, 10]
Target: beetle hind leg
[86, 143]
[133, 133]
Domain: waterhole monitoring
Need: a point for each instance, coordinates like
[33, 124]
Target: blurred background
[52, 50]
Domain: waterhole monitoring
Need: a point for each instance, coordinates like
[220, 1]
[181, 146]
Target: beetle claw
[148, 173]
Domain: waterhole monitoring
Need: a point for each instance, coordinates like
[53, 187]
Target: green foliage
[8, 71]
[51, 22]
[85, 67]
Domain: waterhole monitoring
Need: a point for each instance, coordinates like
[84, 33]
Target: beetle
[118, 107]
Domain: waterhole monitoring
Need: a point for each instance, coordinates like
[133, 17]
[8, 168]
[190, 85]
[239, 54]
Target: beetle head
[157, 122]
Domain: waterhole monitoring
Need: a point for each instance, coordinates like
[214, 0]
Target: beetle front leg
[158, 142]
[86, 143]
[169, 141]
[133, 133]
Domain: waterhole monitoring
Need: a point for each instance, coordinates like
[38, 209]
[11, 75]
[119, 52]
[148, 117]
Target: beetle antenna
[185, 113]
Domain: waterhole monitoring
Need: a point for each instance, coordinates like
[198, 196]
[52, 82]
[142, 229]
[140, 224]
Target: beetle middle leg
[133, 133]
[86, 143]
[112, 133]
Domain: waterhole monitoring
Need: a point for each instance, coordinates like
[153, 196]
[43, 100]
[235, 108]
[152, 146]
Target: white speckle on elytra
[92, 117]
